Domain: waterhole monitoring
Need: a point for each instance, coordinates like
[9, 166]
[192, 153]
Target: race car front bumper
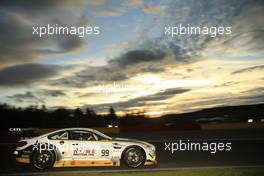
[151, 158]
[150, 163]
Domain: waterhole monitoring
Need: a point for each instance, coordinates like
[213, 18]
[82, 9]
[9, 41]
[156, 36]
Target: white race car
[83, 147]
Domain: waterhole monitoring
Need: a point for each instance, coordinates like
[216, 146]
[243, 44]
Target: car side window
[63, 135]
[83, 136]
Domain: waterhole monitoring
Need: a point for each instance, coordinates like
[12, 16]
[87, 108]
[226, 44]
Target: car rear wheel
[134, 157]
[43, 159]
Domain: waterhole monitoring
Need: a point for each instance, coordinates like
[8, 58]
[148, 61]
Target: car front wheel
[43, 159]
[134, 157]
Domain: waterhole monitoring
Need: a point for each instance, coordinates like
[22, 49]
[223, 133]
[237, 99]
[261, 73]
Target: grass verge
[184, 172]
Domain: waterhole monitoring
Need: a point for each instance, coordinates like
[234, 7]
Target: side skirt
[75, 163]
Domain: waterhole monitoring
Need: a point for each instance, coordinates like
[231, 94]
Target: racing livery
[83, 147]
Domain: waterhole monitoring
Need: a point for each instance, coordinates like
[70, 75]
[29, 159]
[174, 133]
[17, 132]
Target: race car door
[88, 146]
[62, 142]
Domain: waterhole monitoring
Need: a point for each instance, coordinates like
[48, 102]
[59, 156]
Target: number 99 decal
[104, 152]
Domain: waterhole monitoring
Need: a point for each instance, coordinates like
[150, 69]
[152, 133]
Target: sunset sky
[131, 64]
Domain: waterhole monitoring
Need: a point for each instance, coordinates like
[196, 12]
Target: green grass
[185, 172]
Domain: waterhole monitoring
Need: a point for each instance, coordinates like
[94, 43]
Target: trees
[78, 113]
[112, 117]
[90, 113]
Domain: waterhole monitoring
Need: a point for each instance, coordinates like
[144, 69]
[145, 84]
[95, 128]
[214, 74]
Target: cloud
[28, 97]
[98, 2]
[49, 8]
[248, 27]
[108, 13]
[226, 84]
[155, 59]
[90, 75]
[138, 56]
[150, 8]
[249, 69]
[26, 74]
[118, 69]
[152, 69]
[135, 2]
[182, 54]
[17, 19]
[36, 96]
[245, 19]
[258, 90]
[51, 93]
[153, 52]
[141, 101]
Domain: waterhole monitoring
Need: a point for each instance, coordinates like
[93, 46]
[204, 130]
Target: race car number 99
[104, 152]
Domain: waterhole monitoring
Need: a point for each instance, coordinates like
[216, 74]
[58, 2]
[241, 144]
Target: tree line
[34, 116]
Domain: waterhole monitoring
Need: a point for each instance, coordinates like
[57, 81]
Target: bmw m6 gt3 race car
[83, 147]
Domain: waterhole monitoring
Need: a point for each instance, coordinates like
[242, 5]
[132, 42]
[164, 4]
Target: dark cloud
[72, 81]
[138, 56]
[118, 77]
[27, 97]
[91, 75]
[163, 95]
[180, 53]
[52, 11]
[68, 43]
[42, 7]
[122, 68]
[79, 94]
[226, 84]
[258, 90]
[26, 73]
[141, 101]
[249, 69]
[35, 97]
[251, 96]
[51, 93]
[152, 69]
[18, 45]
[118, 69]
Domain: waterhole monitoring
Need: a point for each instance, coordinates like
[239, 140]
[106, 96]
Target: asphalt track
[247, 151]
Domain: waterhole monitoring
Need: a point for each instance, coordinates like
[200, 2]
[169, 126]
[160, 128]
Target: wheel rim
[43, 159]
[134, 157]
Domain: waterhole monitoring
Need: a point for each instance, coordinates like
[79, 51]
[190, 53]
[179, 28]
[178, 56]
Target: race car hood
[132, 141]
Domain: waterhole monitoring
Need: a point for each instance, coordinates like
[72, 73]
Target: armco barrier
[108, 130]
[238, 125]
[157, 128]
[186, 127]
[153, 128]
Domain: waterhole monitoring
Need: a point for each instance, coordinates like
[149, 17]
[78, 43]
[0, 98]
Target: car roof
[70, 129]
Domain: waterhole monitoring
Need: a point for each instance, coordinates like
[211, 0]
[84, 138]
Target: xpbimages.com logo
[83, 148]
[80, 31]
[212, 147]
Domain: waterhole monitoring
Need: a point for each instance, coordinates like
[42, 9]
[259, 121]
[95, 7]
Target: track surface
[247, 150]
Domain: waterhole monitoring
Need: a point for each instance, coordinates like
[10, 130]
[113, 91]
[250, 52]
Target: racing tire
[134, 157]
[43, 159]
